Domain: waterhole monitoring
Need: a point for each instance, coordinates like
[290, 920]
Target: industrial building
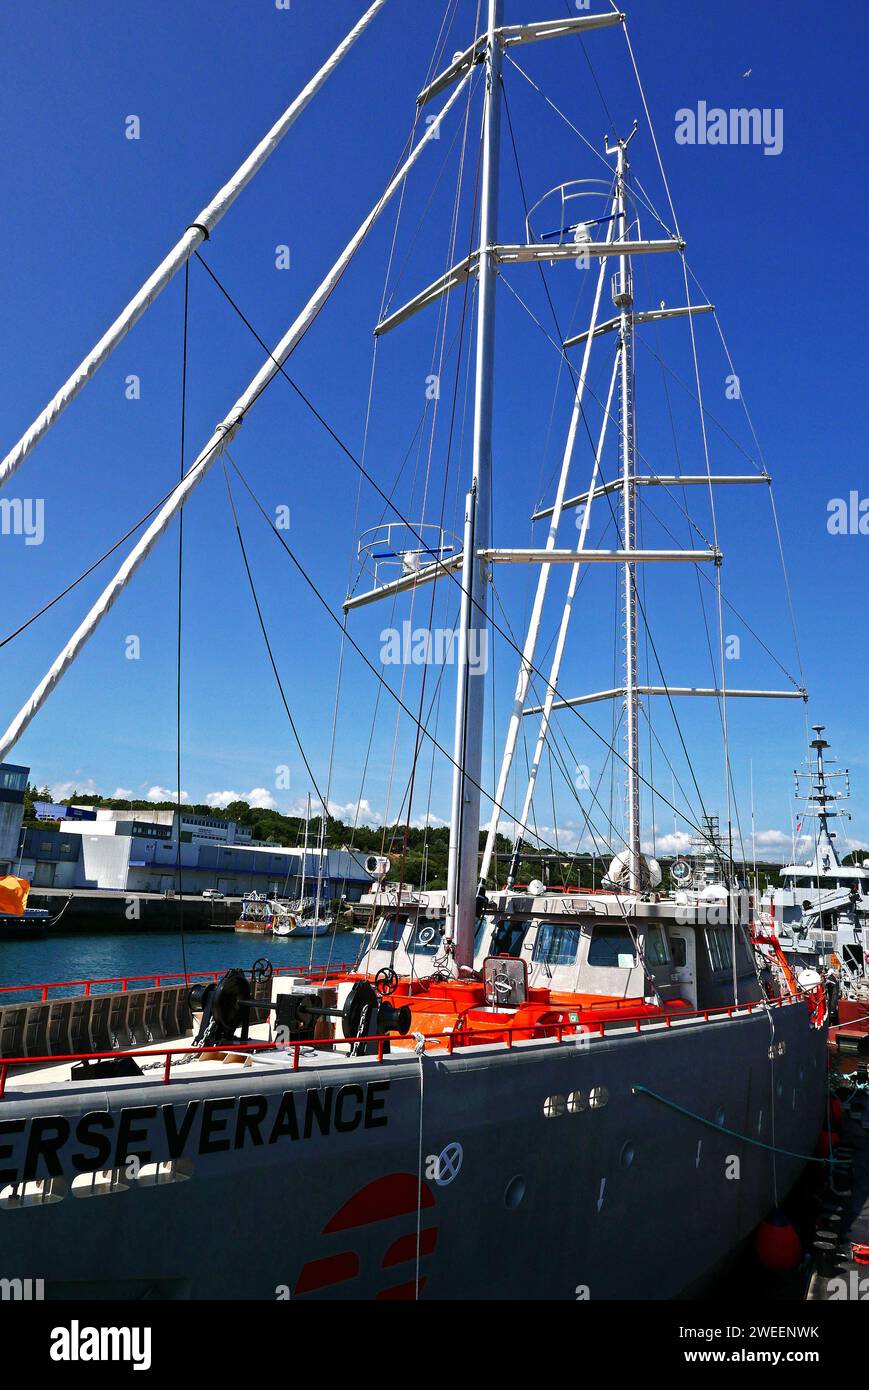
[142, 851]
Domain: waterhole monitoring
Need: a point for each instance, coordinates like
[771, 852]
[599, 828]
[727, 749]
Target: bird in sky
[747, 74]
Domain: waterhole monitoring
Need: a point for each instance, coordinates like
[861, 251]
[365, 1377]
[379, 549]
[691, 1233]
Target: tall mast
[305, 856]
[820, 794]
[470, 685]
[623, 299]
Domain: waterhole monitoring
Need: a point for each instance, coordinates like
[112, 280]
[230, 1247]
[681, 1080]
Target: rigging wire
[264, 631]
[612, 510]
[300, 569]
[345, 449]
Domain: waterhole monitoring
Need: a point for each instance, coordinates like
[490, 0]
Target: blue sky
[88, 213]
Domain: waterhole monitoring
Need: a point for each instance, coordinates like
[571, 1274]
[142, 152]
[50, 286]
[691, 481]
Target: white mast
[624, 299]
[198, 231]
[305, 855]
[527, 663]
[470, 688]
[219, 441]
[560, 644]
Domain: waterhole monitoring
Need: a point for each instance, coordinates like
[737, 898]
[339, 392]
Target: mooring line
[734, 1134]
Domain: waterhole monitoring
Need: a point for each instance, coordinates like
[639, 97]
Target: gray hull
[318, 1199]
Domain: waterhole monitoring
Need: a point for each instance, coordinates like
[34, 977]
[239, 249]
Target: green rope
[734, 1134]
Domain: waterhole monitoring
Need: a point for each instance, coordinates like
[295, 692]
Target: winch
[226, 1012]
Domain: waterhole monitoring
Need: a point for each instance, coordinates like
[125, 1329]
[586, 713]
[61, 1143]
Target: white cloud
[772, 839]
[122, 794]
[164, 794]
[677, 842]
[353, 812]
[259, 797]
[61, 790]
[428, 818]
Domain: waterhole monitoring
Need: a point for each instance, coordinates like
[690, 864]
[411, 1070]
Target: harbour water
[101, 955]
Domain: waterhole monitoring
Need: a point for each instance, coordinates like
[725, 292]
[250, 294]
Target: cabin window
[680, 951]
[556, 943]
[507, 938]
[391, 934]
[718, 943]
[613, 947]
[656, 946]
[425, 939]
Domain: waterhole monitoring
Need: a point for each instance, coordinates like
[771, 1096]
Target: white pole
[470, 687]
[305, 856]
[561, 640]
[220, 439]
[196, 233]
[527, 663]
[629, 525]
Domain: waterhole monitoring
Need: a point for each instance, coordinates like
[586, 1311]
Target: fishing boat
[263, 914]
[515, 1092]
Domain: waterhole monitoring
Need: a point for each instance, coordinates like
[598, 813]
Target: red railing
[483, 1036]
[155, 981]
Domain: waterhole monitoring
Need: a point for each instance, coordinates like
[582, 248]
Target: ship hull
[630, 1200]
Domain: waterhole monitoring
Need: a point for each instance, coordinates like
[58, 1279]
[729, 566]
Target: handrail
[481, 1036]
[171, 977]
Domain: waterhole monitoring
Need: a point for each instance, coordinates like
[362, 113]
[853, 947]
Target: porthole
[514, 1192]
[553, 1106]
[577, 1101]
[157, 1174]
[598, 1097]
[102, 1183]
[39, 1192]
[626, 1157]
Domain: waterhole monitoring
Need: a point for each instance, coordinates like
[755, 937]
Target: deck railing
[483, 1036]
[86, 987]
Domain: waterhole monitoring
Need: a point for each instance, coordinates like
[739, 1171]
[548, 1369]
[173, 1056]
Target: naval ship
[515, 1092]
[820, 909]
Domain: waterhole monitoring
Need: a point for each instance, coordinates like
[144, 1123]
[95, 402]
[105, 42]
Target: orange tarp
[13, 895]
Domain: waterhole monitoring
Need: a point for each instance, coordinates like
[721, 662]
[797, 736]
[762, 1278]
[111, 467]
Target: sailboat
[514, 1092]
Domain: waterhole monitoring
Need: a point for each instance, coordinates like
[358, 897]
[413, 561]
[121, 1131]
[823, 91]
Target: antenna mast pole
[624, 302]
[470, 686]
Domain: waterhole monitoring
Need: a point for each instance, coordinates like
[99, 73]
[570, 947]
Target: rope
[733, 1133]
[264, 631]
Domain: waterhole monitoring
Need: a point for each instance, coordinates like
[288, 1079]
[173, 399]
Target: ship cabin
[601, 951]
